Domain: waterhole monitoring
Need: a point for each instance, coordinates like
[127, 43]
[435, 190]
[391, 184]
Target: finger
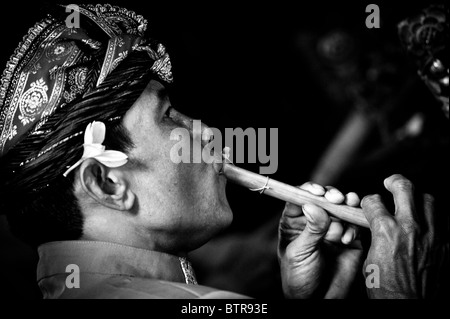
[289, 230]
[334, 196]
[286, 236]
[335, 232]
[317, 225]
[352, 199]
[293, 223]
[403, 191]
[350, 234]
[374, 210]
[313, 188]
[292, 210]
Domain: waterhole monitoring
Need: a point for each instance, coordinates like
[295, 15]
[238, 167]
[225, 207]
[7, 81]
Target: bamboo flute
[292, 194]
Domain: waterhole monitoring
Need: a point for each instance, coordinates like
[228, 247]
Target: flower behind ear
[97, 134]
[94, 137]
[112, 158]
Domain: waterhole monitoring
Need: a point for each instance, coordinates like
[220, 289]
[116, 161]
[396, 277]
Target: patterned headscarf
[54, 80]
[50, 67]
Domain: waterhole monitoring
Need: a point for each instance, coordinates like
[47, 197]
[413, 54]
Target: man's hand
[319, 257]
[404, 247]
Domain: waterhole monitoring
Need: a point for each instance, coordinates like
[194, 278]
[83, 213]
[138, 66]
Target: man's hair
[39, 202]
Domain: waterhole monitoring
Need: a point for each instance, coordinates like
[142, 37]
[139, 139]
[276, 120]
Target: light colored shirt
[92, 269]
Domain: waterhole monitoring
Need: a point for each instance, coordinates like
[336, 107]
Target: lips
[218, 167]
[218, 163]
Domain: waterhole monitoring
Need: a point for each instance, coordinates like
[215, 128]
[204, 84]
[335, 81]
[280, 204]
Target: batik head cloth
[57, 63]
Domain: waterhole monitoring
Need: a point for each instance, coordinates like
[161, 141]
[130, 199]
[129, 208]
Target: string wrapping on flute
[226, 156]
[261, 190]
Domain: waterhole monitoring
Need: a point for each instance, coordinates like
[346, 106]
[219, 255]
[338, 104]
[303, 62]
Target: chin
[220, 215]
[218, 208]
[214, 212]
[218, 219]
[227, 217]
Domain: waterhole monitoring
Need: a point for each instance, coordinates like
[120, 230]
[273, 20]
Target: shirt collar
[112, 259]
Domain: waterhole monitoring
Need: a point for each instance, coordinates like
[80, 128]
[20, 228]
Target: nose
[184, 120]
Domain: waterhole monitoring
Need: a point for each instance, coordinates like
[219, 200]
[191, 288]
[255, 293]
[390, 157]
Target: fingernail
[334, 191]
[317, 189]
[348, 237]
[307, 210]
[334, 197]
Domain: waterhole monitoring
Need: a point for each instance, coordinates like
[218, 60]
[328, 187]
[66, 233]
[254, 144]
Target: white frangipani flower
[94, 136]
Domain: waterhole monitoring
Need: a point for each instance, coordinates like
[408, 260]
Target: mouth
[218, 159]
[221, 159]
[218, 163]
[218, 167]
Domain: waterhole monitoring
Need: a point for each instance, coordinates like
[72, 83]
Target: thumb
[317, 224]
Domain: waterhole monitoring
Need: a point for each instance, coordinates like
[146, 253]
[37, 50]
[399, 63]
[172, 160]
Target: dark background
[259, 65]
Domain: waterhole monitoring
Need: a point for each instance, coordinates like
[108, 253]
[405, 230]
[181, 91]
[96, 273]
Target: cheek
[192, 181]
[195, 188]
[183, 186]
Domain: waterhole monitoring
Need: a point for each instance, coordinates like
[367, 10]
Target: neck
[124, 232]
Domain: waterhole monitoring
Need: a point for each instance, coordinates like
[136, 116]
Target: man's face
[181, 205]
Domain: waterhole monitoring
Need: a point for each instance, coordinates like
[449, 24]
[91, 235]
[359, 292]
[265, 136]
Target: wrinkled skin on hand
[319, 257]
[405, 246]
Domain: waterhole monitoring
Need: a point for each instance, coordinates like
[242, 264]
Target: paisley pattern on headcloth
[49, 68]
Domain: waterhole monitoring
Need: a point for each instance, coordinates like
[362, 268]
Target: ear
[107, 186]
